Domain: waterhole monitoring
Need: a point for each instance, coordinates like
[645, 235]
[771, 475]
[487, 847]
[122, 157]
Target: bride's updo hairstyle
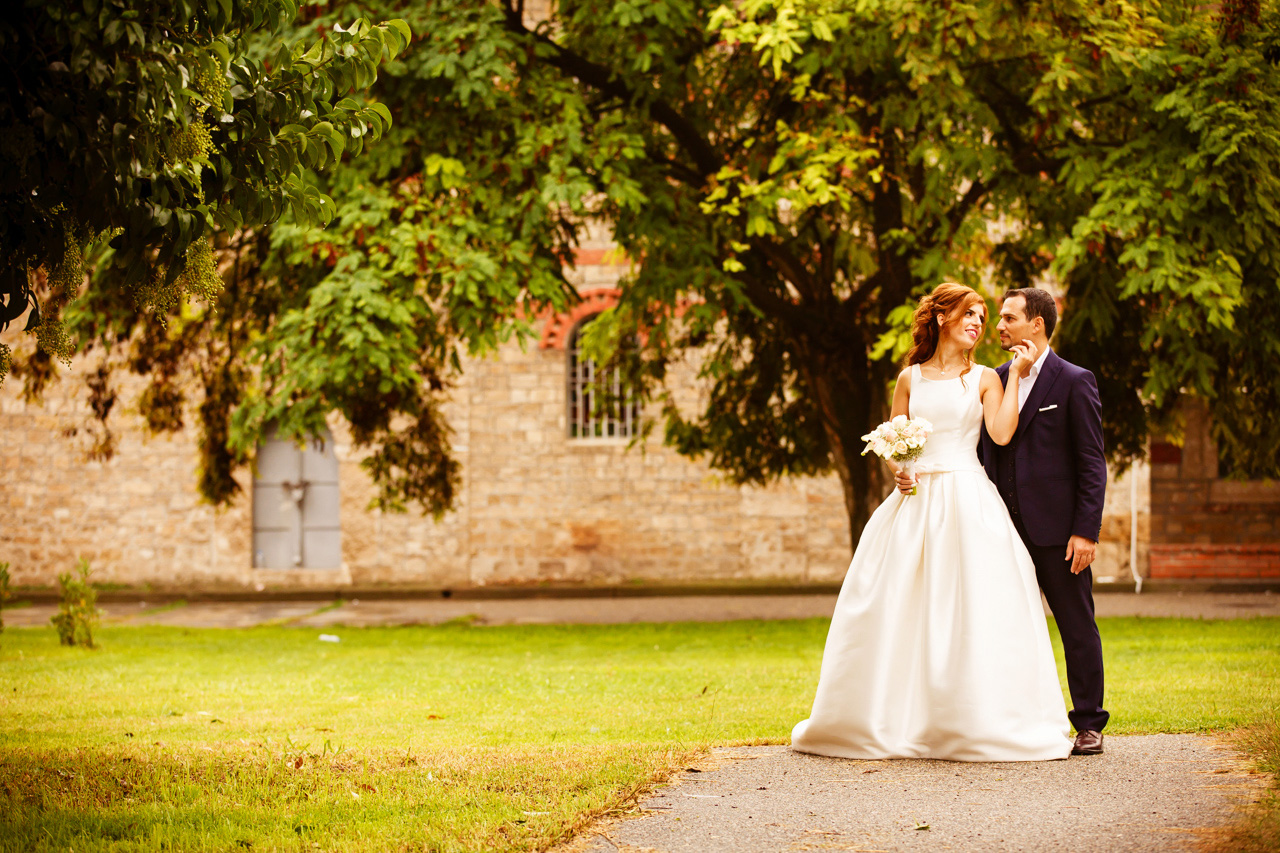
[950, 300]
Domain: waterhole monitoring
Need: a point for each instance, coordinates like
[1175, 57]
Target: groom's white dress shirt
[1026, 383]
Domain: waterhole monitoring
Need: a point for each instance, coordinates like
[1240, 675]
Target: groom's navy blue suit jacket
[1057, 451]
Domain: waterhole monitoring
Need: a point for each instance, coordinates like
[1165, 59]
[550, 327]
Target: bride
[938, 646]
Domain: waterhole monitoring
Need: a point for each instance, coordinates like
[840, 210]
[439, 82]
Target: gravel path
[1146, 793]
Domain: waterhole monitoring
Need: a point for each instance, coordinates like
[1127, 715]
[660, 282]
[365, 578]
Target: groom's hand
[1080, 552]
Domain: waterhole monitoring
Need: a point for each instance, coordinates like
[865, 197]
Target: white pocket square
[1047, 408]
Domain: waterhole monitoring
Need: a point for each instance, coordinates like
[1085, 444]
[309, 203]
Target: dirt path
[530, 611]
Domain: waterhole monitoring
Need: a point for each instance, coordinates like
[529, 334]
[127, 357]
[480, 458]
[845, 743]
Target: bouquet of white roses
[901, 439]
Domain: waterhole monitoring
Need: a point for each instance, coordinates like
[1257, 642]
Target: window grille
[585, 380]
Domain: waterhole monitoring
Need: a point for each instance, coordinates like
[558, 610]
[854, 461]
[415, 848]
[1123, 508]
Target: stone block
[1250, 492]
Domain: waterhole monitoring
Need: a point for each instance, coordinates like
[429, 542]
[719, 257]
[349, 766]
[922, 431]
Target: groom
[1052, 476]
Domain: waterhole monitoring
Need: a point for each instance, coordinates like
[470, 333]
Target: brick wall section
[534, 505]
[1209, 562]
[1203, 527]
[134, 517]
[544, 507]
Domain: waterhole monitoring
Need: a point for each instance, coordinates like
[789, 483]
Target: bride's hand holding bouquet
[900, 440]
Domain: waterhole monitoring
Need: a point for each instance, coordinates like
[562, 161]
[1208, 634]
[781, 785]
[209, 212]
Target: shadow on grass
[270, 796]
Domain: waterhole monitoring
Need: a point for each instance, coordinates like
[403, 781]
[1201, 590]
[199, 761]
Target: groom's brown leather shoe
[1088, 743]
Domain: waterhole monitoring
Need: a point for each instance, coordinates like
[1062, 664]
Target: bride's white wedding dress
[938, 646]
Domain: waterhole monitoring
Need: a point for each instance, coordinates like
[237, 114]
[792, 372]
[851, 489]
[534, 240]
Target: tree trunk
[851, 395]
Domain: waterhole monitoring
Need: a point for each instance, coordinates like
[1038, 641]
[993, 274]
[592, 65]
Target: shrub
[5, 595]
[78, 610]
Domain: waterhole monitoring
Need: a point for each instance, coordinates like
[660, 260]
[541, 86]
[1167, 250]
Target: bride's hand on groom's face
[1024, 355]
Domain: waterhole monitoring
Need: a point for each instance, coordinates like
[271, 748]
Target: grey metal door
[295, 506]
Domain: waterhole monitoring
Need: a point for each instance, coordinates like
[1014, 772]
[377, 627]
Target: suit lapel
[1044, 382]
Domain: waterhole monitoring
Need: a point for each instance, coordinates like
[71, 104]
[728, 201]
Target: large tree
[790, 174]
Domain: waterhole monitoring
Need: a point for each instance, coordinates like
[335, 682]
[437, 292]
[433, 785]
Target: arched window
[295, 505]
[584, 381]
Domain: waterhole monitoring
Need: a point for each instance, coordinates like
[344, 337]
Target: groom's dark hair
[1039, 304]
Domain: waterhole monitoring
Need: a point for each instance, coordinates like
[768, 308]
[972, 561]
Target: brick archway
[555, 334]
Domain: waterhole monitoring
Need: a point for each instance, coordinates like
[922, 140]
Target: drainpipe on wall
[1133, 531]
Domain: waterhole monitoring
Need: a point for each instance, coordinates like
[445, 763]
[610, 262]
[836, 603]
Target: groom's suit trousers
[1070, 598]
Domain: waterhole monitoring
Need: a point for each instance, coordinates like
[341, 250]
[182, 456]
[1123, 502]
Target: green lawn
[456, 737]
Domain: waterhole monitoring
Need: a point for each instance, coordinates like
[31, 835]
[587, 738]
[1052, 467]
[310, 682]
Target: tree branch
[787, 264]
[705, 159]
[766, 298]
[956, 216]
[677, 170]
[1026, 158]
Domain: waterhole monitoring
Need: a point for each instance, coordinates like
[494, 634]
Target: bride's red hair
[950, 300]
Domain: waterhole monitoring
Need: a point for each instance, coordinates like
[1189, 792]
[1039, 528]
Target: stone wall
[534, 505]
[1128, 504]
[1205, 527]
[546, 507]
[134, 517]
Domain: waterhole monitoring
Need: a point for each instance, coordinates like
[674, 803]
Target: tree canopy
[149, 125]
[793, 174]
